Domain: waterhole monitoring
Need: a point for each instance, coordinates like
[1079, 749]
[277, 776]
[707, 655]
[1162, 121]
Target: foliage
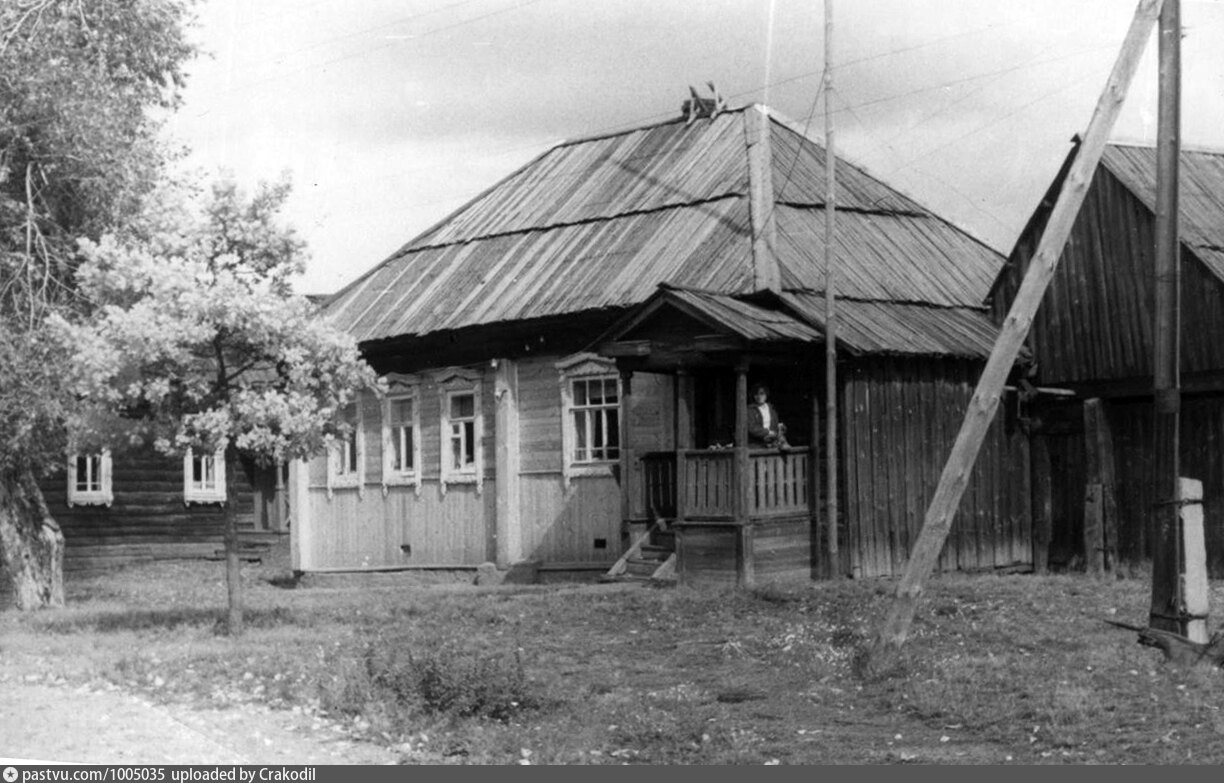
[81, 83]
[196, 340]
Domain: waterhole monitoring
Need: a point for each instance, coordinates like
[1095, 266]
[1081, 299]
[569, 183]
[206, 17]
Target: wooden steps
[651, 558]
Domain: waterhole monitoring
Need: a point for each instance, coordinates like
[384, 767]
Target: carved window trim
[401, 389]
[99, 492]
[585, 367]
[453, 384]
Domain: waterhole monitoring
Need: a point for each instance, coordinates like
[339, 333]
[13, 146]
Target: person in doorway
[764, 428]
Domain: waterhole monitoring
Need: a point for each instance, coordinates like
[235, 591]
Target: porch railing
[705, 481]
[780, 482]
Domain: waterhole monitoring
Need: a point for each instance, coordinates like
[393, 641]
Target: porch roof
[751, 321]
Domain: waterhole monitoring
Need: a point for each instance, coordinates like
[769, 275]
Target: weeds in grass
[399, 684]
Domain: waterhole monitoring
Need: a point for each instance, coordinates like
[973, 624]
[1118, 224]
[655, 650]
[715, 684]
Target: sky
[388, 115]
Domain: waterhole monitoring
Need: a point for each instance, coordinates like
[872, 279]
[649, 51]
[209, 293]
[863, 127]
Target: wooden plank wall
[1095, 321]
[559, 524]
[900, 419]
[782, 550]
[1202, 458]
[148, 519]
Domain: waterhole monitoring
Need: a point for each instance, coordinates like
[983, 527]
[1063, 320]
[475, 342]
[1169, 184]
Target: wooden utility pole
[1168, 604]
[1015, 328]
[830, 269]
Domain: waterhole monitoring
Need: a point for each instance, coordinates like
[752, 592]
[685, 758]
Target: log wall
[147, 520]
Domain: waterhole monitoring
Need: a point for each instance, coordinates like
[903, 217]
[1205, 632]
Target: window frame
[451, 384]
[586, 367]
[355, 479]
[202, 494]
[104, 495]
[400, 391]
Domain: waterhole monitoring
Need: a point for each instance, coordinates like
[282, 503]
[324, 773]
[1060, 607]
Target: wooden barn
[138, 505]
[1092, 336]
[568, 358]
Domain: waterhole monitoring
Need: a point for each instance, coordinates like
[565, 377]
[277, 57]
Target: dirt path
[101, 724]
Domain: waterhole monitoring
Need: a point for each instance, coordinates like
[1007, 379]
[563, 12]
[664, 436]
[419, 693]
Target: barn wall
[578, 523]
[1202, 439]
[899, 422]
[1095, 321]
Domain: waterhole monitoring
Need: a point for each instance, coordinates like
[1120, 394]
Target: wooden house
[569, 354]
[1092, 336]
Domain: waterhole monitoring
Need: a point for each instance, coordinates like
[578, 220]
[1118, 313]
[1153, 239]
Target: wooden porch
[727, 485]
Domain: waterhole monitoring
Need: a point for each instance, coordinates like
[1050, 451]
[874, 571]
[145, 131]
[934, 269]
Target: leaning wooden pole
[1168, 606]
[830, 269]
[1012, 334]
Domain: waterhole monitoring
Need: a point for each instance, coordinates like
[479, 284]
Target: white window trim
[102, 497]
[390, 477]
[450, 383]
[355, 480]
[582, 366]
[194, 494]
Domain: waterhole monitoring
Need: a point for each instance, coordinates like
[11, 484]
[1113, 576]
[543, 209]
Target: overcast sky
[390, 114]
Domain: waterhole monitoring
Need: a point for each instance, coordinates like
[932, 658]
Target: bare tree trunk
[233, 569]
[31, 544]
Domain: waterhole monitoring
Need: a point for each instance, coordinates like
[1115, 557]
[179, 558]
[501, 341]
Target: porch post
[745, 560]
[684, 409]
[626, 453]
[743, 481]
[684, 437]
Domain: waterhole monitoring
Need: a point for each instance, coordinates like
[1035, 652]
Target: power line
[973, 131]
[374, 28]
[364, 52]
[981, 210]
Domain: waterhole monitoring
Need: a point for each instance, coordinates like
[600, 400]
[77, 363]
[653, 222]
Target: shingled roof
[597, 224]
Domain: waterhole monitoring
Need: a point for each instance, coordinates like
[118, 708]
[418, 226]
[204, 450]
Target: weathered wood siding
[899, 420]
[367, 528]
[782, 551]
[578, 523]
[707, 554]
[1095, 322]
[147, 520]
[1202, 458]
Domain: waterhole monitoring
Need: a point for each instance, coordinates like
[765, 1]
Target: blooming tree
[196, 341]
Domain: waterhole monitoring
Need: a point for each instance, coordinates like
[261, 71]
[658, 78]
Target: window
[459, 396]
[345, 463]
[595, 411]
[89, 479]
[591, 416]
[401, 439]
[461, 432]
[204, 477]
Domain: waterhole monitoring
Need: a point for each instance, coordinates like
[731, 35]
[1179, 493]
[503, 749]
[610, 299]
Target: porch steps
[651, 558]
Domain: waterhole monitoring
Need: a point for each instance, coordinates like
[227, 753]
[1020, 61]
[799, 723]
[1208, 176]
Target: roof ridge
[609, 134]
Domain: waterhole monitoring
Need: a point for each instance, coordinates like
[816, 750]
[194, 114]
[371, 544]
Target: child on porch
[764, 428]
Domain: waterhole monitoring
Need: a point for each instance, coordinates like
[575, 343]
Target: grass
[1016, 669]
